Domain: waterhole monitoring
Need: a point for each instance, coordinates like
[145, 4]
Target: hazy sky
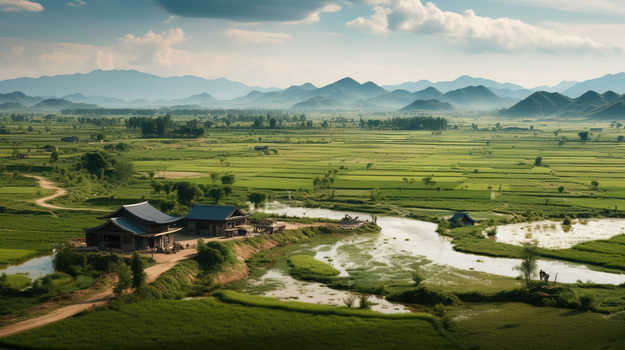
[284, 42]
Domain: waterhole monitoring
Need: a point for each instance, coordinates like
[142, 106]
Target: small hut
[462, 218]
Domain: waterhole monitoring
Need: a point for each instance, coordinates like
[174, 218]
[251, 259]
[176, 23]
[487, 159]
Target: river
[418, 238]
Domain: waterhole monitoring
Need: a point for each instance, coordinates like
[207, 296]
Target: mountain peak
[346, 82]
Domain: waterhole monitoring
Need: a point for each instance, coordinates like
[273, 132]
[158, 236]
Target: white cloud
[15, 51]
[152, 47]
[20, 5]
[335, 34]
[78, 3]
[477, 33]
[586, 6]
[249, 37]
[314, 17]
[169, 19]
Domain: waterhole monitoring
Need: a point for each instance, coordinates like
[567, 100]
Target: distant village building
[217, 220]
[21, 156]
[462, 219]
[261, 148]
[134, 227]
[70, 139]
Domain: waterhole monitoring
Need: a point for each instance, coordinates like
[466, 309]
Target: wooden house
[21, 156]
[134, 227]
[462, 219]
[217, 220]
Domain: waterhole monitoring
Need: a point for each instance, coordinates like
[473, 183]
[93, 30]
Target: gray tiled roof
[145, 212]
[213, 212]
[125, 224]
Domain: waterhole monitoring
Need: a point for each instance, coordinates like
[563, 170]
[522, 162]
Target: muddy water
[400, 236]
[33, 268]
[292, 289]
[551, 234]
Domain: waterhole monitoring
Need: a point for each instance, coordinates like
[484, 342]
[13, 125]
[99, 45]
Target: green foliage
[228, 179]
[124, 278]
[538, 161]
[303, 265]
[138, 274]
[214, 254]
[186, 192]
[528, 266]
[258, 198]
[181, 324]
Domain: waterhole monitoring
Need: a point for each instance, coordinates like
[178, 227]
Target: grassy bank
[192, 324]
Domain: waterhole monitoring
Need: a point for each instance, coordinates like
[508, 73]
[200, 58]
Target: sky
[278, 43]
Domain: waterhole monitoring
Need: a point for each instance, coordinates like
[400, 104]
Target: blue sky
[281, 42]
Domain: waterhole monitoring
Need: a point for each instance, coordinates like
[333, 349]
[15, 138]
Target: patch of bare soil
[180, 175]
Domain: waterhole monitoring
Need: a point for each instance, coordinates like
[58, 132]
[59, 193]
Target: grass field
[306, 264]
[520, 326]
[194, 324]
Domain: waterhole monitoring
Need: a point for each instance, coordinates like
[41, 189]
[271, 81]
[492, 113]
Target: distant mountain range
[591, 104]
[132, 89]
[128, 85]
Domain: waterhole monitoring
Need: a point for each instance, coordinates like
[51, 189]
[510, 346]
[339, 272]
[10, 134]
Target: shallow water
[316, 293]
[550, 234]
[33, 268]
[401, 236]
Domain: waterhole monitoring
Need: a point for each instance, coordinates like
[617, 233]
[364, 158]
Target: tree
[538, 161]
[123, 170]
[272, 123]
[620, 138]
[529, 264]
[427, 180]
[138, 274]
[186, 192]
[369, 165]
[618, 125]
[54, 157]
[124, 278]
[215, 177]
[325, 124]
[583, 136]
[561, 189]
[167, 187]
[258, 198]
[594, 184]
[228, 179]
[227, 190]
[94, 161]
[157, 186]
[216, 193]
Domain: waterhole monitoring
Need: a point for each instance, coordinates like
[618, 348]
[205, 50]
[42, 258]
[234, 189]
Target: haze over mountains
[132, 89]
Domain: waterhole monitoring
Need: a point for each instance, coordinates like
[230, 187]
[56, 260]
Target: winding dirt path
[102, 298]
[49, 185]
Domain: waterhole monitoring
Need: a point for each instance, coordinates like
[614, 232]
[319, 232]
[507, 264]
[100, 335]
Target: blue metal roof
[145, 212]
[214, 212]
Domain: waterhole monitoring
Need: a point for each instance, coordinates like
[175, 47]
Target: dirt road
[49, 185]
[99, 299]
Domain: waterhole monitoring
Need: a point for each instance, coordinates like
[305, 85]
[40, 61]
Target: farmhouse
[134, 227]
[217, 220]
[70, 139]
[21, 156]
[462, 219]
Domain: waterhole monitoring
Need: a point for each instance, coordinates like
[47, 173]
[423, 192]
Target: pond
[552, 235]
[33, 268]
[402, 236]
